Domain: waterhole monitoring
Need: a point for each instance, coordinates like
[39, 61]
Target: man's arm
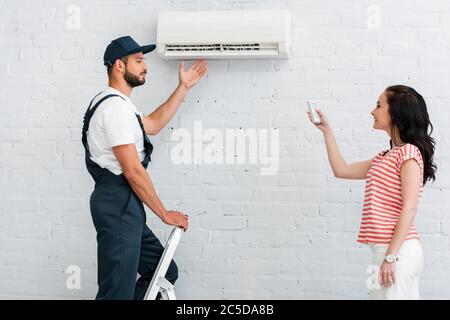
[155, 121]
[142, 185]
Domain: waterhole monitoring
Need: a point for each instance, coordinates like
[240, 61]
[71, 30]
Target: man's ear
[119, 65]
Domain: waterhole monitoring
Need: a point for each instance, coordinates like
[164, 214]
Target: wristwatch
[390, 258]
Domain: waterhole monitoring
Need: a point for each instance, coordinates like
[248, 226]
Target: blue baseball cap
[122, 47]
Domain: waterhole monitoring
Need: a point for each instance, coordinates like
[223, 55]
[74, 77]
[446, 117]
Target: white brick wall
[291, 235]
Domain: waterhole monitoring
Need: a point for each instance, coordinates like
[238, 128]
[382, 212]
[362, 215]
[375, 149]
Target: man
[117, 154]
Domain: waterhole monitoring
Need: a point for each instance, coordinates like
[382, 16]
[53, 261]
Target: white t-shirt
[114, 123]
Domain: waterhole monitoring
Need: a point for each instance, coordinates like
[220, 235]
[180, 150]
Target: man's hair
[109, 69]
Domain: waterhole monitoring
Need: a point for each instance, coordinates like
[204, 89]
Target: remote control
[312, 108]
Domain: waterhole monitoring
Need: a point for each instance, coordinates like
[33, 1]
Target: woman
[394, 186]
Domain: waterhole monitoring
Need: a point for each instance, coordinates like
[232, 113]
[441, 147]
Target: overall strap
[148, 146]
[89, 113]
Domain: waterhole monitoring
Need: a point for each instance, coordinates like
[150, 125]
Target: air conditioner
[224, 34]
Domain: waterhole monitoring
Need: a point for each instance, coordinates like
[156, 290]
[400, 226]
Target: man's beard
[132, 80]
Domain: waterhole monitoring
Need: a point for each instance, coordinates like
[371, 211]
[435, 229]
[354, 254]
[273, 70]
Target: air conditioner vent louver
[217, 49]
[213, 47]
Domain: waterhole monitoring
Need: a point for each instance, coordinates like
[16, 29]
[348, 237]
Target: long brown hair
[409, 114]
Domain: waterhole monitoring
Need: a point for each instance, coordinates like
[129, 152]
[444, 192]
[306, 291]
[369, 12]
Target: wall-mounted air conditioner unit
[224, 34]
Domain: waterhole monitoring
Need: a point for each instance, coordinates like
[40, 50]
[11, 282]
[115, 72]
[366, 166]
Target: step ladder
[159, 282]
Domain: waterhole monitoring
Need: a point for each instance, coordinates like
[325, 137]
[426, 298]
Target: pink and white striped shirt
[382, 199]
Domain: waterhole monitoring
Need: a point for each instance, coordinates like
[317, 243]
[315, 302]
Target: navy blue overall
[125, 244]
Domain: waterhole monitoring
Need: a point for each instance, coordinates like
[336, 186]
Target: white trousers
[407, 272]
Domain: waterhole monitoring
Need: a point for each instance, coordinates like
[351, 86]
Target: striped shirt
[382, 198]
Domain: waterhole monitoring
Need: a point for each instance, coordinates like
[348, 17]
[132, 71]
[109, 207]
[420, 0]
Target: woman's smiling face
[381, 116]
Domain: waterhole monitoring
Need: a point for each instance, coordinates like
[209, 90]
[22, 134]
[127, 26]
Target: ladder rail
[156, 284]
